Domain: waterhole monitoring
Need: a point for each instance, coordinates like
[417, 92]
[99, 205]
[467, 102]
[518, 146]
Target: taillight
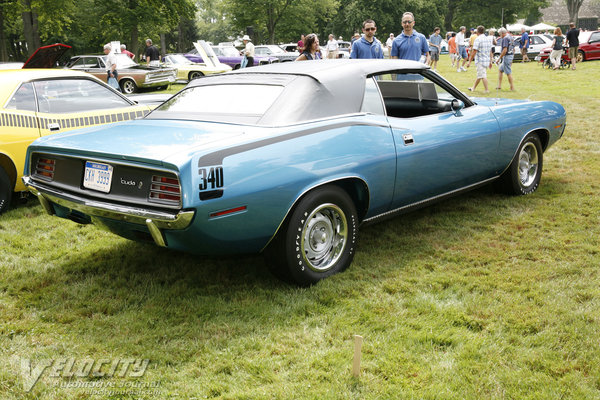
[165, 190]
[44, 168]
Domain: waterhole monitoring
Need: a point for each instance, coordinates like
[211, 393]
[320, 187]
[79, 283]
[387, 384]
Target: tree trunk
[30, 27]
[134, 42]
[180, 37]
[450, 15]
[163, 45]
[3, 49]
[573, 7]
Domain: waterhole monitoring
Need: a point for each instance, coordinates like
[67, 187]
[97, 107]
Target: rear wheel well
[358, 191]
[9, 167]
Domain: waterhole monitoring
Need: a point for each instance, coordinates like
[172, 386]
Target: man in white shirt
[461, 49]
[111, 63]
[332, 47]
[248, 51]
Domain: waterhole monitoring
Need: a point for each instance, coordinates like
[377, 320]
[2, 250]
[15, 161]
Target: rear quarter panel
[269, 178]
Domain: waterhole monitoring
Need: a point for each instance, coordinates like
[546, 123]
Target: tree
[265, 16]
[573, 7]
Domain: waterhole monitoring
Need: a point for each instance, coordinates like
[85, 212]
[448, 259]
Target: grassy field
[482, 296]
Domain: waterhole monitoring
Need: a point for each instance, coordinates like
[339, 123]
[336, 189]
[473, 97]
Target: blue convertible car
[291, 159]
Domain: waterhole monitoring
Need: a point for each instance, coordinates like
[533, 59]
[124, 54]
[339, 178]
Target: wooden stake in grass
[357, 350]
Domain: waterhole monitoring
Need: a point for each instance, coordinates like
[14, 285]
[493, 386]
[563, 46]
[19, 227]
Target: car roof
[340, 84]
[42, 73]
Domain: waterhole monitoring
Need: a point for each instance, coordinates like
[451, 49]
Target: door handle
[408, 139]
[53, 127]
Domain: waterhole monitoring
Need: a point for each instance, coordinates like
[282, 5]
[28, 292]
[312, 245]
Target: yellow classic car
[187, 70]
[40, 102]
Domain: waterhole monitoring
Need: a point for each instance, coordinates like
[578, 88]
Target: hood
[491, 102]
[46, 56]
[150, 141]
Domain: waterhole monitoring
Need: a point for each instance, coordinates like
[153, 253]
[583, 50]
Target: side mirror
[456, 106]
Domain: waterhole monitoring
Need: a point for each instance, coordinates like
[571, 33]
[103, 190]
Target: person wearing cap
[389, 41]
[111, 63]
[248, 50]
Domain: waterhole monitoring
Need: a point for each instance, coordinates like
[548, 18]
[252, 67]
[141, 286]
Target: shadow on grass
[146, 291]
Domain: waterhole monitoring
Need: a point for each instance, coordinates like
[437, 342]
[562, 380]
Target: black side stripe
[217, 157]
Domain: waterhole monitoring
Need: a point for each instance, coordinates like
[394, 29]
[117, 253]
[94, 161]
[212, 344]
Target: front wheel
[525, 171]
[128, 86]
[317, 240]
[6, 191]
[580, 56]
[195, 75]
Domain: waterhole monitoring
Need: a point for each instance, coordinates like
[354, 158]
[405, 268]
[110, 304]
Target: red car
[589, 48]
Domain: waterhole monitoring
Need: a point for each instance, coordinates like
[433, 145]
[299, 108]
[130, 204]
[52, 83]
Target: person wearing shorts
[573, 43]
[482, 53]
[435, 43]
[506, 58]
[462, 49]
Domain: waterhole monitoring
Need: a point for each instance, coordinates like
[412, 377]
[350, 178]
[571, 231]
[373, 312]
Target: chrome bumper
[155, 221]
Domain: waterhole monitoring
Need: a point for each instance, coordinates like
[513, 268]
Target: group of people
[570, 41]
[151, 55]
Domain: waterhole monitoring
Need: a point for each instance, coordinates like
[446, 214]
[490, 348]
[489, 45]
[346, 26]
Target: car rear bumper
[155, 221]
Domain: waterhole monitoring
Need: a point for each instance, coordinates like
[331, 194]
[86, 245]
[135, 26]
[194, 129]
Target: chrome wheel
[324, 237]
[528, 164]
[195, 75]
[128, 86]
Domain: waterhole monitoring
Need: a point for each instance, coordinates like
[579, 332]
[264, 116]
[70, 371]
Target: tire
[547, 63]
[317, 240]
[237, 66]
[128, 86]
[525, 171]
[580, 56]
[195, 75]
[6, 191]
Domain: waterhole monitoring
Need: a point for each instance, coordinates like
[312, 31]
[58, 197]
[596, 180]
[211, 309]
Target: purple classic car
[227, 55]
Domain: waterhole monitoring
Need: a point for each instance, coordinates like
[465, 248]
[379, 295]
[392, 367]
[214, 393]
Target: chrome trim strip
[405, 208]
[135, 215]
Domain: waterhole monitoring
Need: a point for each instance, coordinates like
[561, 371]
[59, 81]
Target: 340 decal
[211, 178]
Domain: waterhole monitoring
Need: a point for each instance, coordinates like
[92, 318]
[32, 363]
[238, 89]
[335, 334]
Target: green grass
[481, 296]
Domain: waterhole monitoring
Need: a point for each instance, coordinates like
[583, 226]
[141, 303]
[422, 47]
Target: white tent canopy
[517, 27]
[542, 27]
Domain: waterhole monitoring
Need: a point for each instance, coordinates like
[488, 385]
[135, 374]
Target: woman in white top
[332, 47]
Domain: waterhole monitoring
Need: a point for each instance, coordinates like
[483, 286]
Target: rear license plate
[97, 176]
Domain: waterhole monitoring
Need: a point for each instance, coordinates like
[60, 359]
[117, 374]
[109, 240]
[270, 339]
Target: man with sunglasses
[367, 46]
[410, 44]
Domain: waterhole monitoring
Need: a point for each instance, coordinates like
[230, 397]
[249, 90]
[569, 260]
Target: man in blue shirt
[524, 45]
[410, 44]
[367, 46]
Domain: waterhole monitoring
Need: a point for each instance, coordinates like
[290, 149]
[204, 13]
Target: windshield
[177, 59]
[226, 103]
[123, 61]
[227, 51]
[275, 49]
